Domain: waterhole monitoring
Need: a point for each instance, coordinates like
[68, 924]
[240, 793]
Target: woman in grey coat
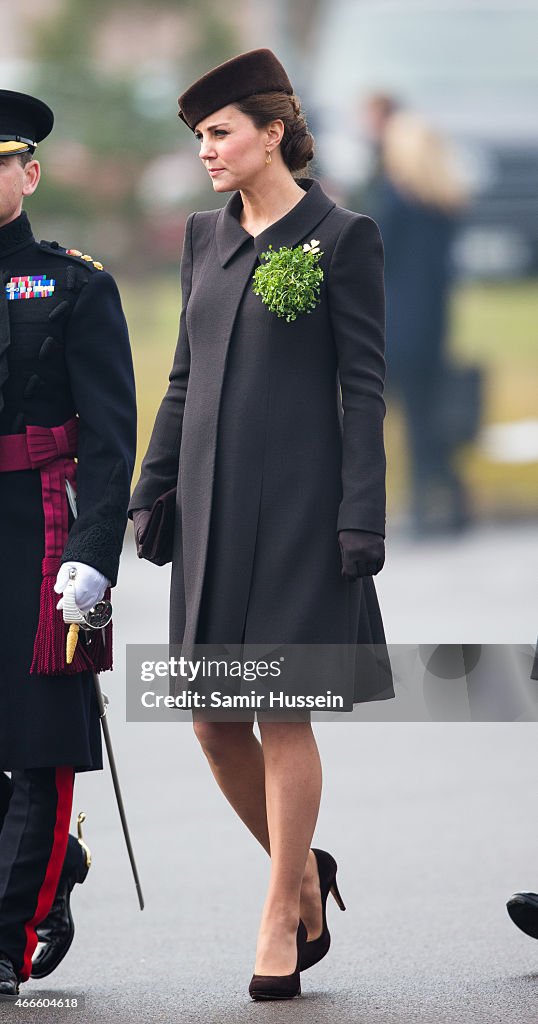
[271, 431]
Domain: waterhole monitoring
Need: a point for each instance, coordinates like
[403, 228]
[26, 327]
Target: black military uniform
[66, 391]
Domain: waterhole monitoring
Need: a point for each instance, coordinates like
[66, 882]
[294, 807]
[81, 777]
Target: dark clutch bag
[157, 541]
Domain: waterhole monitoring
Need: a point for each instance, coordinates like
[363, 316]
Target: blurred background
[424, 114]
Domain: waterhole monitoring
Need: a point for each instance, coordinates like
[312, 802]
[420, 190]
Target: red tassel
[50, 640]
[49, 643]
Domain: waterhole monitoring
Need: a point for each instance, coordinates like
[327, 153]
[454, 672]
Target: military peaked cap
[24, 121]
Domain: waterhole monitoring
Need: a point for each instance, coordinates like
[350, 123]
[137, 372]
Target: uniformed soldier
[67, 447]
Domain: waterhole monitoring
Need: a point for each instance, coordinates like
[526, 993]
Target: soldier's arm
[100, 367]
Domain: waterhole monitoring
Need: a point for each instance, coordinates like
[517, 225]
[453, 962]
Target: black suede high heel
[280, 986]
[316, 949]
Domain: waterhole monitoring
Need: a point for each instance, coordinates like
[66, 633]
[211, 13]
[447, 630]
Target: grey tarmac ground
[434, 825]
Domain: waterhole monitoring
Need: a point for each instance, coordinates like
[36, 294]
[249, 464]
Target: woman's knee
[217, 739]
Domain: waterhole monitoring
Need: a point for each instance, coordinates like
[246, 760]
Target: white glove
[90, 585]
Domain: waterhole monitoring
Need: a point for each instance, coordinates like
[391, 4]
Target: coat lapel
[289, 230]
[15, 235]
[300, 222]
[210, 330]
[229, 234]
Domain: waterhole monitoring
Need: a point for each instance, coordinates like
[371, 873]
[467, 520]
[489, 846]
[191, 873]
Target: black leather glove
[363, 553]
[140, 521]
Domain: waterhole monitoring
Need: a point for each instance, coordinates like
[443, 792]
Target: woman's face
[233, 150]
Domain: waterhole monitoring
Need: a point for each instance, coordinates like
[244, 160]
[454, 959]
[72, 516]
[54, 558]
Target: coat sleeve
[100, 368]
[357, 309]
[160, 465]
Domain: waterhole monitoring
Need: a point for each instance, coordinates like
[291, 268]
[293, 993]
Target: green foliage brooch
[289, 280]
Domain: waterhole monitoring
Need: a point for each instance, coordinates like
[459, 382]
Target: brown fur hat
[256, 71]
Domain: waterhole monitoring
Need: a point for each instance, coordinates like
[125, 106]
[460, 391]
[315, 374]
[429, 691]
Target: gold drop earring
[268, 156]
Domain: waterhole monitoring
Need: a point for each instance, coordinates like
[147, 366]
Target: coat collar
[15, 235]
[289, 230]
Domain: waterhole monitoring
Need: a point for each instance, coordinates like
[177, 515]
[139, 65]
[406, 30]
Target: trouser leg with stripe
[33, 840]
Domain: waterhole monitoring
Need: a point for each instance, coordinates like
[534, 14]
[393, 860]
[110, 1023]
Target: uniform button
[32, 385]
[58, 310]
[18, 424]
[49, 347]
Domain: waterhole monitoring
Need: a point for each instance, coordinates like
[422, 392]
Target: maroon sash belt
[52, 450]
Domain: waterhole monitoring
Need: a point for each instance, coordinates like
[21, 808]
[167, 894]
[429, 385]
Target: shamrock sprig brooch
[289, 280]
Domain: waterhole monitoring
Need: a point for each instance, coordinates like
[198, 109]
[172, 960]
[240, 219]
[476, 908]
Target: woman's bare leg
[236, 759]
[293, 779]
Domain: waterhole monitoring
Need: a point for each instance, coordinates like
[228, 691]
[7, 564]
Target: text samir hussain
[189, 699]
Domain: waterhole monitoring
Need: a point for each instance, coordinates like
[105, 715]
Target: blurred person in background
[374, 113]
[418, 200]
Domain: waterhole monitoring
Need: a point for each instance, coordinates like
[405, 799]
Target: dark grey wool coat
[267, 464]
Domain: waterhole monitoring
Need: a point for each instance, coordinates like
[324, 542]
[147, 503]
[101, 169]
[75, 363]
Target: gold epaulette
[83, 258]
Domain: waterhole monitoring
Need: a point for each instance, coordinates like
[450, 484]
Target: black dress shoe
[316, 949]
[523, 909]
[280, 986]
[9, 982]
[57, 930]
